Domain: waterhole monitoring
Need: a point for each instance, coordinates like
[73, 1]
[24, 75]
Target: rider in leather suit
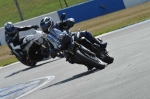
[12, 36]
[58, 38]
[62, 25]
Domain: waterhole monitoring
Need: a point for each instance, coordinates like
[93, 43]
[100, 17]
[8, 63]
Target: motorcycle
[37, 49]
[84, 56]
[100, 52]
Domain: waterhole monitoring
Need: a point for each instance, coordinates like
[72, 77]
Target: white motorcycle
[37, 48]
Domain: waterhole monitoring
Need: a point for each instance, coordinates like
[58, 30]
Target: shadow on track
[30, 68]
[74, 77]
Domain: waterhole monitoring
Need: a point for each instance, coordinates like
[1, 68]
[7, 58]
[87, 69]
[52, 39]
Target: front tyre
[106, 58]
[28, 62]
[89, 59]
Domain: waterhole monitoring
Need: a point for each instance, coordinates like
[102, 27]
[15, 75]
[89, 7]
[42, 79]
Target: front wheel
[89, 60]
[105, 57]
[28, 62]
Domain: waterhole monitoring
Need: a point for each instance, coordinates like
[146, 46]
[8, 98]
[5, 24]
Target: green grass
[121, 25]
[116, 20]
[30, 8]
[5, 58]
[98, 25]
[124, 23]
[8, 61]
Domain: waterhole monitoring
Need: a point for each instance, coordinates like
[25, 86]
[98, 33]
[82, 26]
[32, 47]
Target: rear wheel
[88, 59]
[31, 64]
[24, 59]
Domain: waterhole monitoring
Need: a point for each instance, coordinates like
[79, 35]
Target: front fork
[92, 47]
[100, 52]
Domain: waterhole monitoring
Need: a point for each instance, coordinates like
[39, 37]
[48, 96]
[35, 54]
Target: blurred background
[19, 10]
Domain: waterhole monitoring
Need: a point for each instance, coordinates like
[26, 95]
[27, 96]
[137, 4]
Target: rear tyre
[32, 64]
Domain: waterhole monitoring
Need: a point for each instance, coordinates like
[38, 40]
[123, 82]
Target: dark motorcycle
[100, 52]
[81, 53]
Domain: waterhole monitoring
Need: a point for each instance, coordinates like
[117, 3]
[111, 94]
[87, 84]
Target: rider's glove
[35, 27]
[22, 46]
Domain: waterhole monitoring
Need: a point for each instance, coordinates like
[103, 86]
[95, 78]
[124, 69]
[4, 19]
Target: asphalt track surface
[127, 78]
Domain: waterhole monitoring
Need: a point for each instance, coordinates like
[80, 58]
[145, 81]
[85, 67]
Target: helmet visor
[44, 27]
[10, 30]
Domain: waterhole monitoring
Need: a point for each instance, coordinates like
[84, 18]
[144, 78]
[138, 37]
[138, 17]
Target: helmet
[9, 28]
[47, 24]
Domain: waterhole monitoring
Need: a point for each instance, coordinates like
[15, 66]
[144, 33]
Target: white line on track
[49, 78]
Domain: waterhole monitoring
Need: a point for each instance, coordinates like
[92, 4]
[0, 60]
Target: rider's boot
[89, 67]
[100, 43]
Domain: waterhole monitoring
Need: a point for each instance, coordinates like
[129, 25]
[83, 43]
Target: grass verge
[98, 25]
[30, 8]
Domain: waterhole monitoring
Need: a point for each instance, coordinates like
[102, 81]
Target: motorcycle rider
[62, 25]
[12, 36]
[58, 38]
